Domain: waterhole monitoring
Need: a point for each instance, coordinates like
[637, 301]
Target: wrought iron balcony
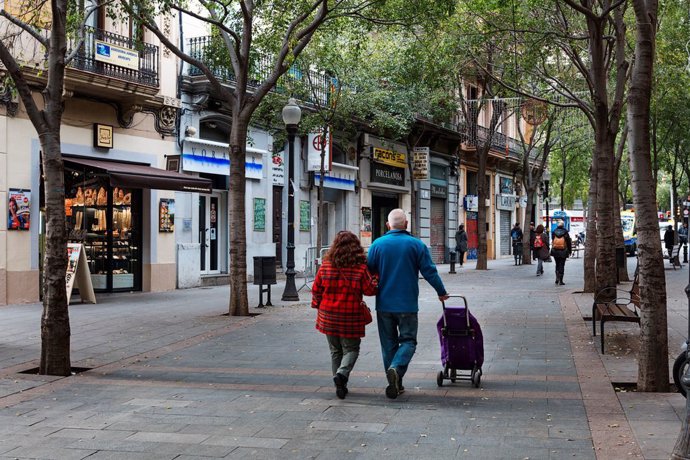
[306, 84]
[144, 69]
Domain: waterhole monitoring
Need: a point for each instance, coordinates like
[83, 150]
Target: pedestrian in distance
[561, 248]
[461, 243]
[541, 248]
[532, 232]
[398, 258]
[516, 238]
[669, 239]
[337, 293]
[683, 233]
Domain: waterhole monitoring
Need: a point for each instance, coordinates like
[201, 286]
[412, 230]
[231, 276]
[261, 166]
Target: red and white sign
[318, 143]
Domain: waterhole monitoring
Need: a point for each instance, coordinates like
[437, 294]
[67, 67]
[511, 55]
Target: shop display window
[107, 221]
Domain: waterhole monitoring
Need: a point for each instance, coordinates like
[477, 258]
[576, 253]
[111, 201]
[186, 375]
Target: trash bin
[264, 270]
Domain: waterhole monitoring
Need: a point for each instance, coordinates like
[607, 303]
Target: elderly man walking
[398, 258]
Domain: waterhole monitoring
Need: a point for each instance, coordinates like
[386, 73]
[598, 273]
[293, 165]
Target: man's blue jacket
[398, 258]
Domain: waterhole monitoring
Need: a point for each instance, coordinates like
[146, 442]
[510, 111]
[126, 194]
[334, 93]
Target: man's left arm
[430, 273]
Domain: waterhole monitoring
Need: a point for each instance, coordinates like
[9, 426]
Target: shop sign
[102, 136]
[505, 202]
[278, 168]
[439, 191]
[317, 143]
[389, 157]
[385, 174]
[214, 158]
[341, 177]
[523, 201]
[420, 163]
[116, 55]
[471, 203]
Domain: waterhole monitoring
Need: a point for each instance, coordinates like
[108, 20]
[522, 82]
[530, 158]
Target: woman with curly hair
[337, 293]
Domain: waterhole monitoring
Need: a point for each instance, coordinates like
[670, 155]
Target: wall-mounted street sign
[116, 55]
[420, 163]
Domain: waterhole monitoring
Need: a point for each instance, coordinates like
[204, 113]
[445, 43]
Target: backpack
[538, 242]
[515, 235]
[559, 243]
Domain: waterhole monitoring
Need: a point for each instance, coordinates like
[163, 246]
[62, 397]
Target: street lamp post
[546, 177]
[291, 117]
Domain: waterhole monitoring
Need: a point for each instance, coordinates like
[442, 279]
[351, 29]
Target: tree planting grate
[75, 370]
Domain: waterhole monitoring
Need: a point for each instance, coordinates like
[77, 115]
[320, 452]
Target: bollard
[452, 262]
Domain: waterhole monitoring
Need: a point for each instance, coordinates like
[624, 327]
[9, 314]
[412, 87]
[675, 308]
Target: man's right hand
[443, 297]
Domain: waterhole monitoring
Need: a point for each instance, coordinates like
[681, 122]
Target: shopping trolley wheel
[476, 377]
[453, 375]
[439, 378]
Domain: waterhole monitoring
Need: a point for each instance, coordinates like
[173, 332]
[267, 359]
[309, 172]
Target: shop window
[439, 172]
[107, 221]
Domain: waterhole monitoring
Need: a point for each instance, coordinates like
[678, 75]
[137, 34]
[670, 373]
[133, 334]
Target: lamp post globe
[292, 115]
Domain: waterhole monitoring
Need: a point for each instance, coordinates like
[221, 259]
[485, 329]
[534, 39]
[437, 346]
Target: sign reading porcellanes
[389, 157]
[116, 55]
[420, 163]
[505, 202]
[385, 174]
[439, 191]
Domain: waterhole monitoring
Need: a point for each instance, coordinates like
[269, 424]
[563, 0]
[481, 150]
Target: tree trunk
[618, 229]
[589, 260]
[526, 251]
[606, 244]
[653, 324]
[239, 305]
[482, 194]
[55, 328]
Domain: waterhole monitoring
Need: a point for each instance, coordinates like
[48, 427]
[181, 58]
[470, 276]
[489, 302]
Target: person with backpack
[541, 248]
[561, 247]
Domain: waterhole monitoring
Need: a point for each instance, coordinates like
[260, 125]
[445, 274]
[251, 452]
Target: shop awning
[142, 176]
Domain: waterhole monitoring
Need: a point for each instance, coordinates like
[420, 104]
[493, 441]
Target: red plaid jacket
[337, 294]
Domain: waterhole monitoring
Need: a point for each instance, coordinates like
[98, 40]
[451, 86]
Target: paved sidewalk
[173, 378]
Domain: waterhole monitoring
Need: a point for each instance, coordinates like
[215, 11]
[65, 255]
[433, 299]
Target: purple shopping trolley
[462, 345]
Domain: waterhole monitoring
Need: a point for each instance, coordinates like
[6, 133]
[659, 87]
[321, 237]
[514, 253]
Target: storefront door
[208, 233]
[438, 229]
[504, 237]
[381, 206]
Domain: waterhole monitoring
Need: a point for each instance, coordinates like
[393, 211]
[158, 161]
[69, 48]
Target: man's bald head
[397, 220]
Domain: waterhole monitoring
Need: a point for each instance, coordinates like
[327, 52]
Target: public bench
[612, 304]
[674, 258]
[576, 251]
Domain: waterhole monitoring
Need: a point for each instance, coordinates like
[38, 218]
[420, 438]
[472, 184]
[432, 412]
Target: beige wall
[19, 283]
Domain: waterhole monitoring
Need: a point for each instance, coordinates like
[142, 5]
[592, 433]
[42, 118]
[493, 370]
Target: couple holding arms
[391, 272]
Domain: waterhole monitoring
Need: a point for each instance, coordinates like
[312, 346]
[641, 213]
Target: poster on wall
[260, 214]
[420, 163]
[18, 209]
[366, 223]
[166, 215]
[505, 185]
[304, 216]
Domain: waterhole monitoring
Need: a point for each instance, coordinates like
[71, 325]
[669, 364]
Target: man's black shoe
[392, 390]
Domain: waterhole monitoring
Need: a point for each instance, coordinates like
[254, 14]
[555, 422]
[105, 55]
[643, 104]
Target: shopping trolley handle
[450, 296]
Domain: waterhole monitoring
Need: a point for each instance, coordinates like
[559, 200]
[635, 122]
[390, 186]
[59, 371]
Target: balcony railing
[145, 72]
[306, 84]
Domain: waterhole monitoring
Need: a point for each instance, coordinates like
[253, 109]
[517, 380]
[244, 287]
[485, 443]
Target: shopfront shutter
[438, 229]
[505, 232]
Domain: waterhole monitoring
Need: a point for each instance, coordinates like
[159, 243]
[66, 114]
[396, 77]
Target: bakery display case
[107, 221]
